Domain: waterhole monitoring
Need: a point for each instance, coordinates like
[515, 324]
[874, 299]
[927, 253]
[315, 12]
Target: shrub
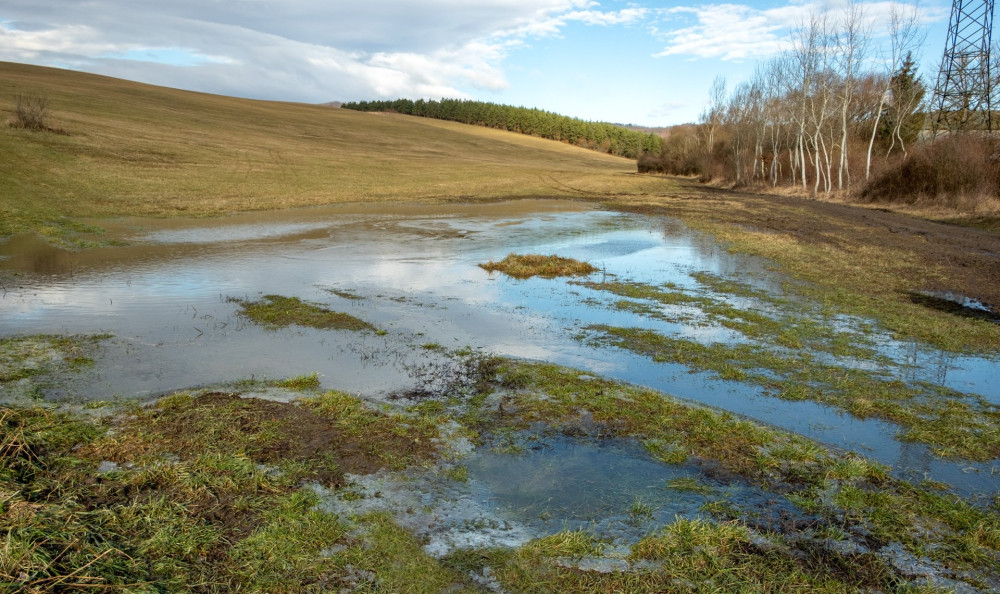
[952, 169]
[30, 112]
[680, 154]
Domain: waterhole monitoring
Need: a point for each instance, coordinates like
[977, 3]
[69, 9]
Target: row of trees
[599, 136]
[816, 116]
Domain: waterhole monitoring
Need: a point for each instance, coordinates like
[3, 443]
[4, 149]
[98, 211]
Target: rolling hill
[125, 148]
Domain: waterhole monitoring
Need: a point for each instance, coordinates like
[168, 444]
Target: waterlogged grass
[849, 496]
[798, 351]
[861, 280]
[205, 491]
[529, 265]
[754, 313]
[276, 311]
[954, 424]
[300, 383]
[195, 491]
[28, 356]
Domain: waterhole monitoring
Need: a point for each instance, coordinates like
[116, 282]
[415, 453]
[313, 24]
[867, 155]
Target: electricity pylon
[963, 96]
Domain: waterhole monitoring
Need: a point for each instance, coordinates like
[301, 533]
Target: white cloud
[732, 31]
[740, 31]
[310, 50]
[323, 50]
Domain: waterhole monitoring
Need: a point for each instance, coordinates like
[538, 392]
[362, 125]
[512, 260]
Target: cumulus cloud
[311, 50]
[740, 31]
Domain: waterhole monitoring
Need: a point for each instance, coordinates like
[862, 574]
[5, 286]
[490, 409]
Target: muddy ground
[967, 257]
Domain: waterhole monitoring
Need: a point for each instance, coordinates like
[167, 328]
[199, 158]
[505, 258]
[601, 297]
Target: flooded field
[668, 309]
[166, 301]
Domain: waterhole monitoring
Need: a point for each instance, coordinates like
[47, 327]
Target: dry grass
[529, 265]
[133, 149]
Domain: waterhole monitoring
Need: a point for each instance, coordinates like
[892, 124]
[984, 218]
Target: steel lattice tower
[963, 94]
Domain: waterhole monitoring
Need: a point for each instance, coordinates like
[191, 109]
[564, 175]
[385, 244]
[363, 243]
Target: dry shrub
[681, 154]
[30, 112]
[957, 171]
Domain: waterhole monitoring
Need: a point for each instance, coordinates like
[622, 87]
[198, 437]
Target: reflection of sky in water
[168, 307]
[613, 488]
[230, 233]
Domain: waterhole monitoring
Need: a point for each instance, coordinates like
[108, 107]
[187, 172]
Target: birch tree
[904, 38]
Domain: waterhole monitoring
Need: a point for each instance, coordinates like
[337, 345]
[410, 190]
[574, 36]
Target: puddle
[955, 304]
[609, 488]
[411, 272]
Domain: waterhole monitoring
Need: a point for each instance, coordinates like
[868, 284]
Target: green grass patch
[191, 491]
[276, 311]
[954, 424]
[386, 558]
[300, 383]
[529, 265]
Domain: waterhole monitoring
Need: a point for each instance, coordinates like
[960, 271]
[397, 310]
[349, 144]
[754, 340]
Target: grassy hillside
[131, 148]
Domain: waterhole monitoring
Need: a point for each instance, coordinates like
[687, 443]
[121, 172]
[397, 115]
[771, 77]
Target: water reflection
[412, 272]
[609, 487]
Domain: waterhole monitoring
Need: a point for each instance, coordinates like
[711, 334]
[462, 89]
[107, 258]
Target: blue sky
[641, 62]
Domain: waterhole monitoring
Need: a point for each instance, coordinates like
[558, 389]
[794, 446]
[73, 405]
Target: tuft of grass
[640, 511]
[690, 485]
[276, 311]
[300, 383]
[528, 265]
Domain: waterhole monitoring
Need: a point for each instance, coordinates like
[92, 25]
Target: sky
[641, 62]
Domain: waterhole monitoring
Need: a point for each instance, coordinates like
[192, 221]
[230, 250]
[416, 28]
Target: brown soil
[966, 260]
[271, 432]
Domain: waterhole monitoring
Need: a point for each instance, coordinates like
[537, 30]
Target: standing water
[167, 300]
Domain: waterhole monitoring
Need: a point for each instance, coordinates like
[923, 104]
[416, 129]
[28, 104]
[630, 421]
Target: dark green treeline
[598, 136]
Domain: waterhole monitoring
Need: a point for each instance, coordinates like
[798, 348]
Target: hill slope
[131, 148]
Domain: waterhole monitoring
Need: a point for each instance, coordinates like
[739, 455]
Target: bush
[949, 170]
[30, 112]
[680, 155]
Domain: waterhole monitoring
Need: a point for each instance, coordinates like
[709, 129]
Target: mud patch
[306, 437]
[957, 305]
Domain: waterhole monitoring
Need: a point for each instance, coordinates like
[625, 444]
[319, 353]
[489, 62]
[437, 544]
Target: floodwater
[411, 271]
[611, 488]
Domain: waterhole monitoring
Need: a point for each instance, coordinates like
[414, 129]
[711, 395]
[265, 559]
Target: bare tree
[904, 38]
[712, 117]
[852, 43]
